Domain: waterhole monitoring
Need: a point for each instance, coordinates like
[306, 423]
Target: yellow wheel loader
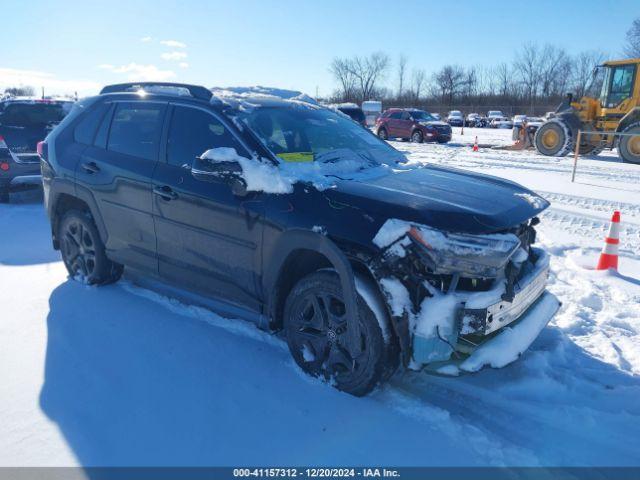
[611, 105]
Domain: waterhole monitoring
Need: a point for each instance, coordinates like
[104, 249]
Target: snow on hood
[261, 175]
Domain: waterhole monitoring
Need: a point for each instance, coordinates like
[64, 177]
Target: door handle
[165, 192]
[90, 167]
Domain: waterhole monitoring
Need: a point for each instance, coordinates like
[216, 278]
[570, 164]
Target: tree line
[537, 75]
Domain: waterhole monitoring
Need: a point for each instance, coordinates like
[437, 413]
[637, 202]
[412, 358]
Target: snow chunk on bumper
[508, 345]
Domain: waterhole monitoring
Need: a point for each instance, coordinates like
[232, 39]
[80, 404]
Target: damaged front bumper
[507, 345]
[480, 336]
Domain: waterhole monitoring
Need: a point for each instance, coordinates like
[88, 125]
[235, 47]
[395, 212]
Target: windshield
[421, 115]
[495, 113]
[455, 113]
[300, 133]
[26, 114]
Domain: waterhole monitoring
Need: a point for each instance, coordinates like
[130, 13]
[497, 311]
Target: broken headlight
[471, 255]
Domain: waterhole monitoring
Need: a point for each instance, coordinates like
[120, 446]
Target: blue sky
[79, 45]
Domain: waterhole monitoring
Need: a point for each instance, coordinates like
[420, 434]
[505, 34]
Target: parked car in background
[491, 114]
[25, 121]
[353, 111]
[470, 119]
[518, 119]
[501, 122]
[188, 189]
[455, 118]
[372, 110]
[549, 115]
[412, 124]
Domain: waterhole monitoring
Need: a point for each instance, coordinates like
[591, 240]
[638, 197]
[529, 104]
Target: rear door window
[193, 131]
[135, 129]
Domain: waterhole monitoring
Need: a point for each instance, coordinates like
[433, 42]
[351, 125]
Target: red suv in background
[412, 124]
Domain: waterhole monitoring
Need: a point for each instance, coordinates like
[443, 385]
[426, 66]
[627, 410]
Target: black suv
[23, 123]
[293, 216]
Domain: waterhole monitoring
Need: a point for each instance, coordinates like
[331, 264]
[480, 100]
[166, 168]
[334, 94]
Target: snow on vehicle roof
[246, 98]
[346, 105]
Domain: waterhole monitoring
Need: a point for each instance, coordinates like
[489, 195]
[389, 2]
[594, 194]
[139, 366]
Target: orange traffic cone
[475, 145]
[609, 254]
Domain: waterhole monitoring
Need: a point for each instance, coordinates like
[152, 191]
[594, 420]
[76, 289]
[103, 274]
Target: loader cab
[617, 84]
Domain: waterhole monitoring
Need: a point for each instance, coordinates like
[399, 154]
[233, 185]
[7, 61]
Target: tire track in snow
[606, 206]
[595, 228]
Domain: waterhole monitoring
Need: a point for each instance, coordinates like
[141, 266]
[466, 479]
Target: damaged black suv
[290, 215]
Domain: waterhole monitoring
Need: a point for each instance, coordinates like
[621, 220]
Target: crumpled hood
[445, 198]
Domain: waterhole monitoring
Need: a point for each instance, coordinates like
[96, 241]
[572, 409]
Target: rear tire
[629, 147]
[554, 138]
[83, 252]
[316, 329]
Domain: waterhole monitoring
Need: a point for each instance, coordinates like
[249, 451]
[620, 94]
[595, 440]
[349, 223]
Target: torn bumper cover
[481, 337]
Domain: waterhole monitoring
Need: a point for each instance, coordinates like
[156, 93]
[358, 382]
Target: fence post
[575, 157]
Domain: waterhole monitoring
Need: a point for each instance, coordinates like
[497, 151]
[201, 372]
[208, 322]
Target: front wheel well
[298, 264]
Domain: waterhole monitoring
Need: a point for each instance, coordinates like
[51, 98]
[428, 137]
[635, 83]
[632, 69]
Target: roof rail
[195, 91]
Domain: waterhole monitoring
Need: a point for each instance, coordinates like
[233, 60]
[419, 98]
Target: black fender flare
[300, 239]
[66, 187]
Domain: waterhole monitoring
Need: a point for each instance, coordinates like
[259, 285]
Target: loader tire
[554, 138]
[629, 147]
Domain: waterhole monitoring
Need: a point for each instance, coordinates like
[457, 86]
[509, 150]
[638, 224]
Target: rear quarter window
[85, 130]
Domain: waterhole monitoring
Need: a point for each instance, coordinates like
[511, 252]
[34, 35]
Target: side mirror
[211, 165]
[220, 166]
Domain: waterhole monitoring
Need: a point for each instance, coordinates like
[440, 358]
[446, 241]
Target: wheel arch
[65, 197]
[632, 116]
[298, 253]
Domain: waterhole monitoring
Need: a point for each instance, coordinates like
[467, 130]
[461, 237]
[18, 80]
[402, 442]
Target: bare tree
[582, 74]
[632, 47]
[553, 61]
[368, 71]
[528, 66]
[341, 70]
[402, 70]
[470, 82]
[20, 91]
[449, 81]
[503, 79]
[418, 80]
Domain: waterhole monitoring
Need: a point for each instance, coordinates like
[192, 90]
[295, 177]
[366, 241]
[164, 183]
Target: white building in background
[372, 110]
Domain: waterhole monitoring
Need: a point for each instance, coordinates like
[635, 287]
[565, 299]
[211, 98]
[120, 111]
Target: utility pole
[42, 93]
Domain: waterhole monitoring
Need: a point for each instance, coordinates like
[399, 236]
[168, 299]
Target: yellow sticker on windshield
[297, 156]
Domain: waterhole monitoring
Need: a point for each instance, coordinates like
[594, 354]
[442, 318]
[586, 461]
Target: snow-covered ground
[120, 375]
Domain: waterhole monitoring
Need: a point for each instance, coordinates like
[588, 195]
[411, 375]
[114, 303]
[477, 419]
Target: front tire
[382, 134]
[554, 138]
[629, 146]
[317, 327]
[417, 137]
[83, 252]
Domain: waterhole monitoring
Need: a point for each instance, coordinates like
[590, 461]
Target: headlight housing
[477, 256]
